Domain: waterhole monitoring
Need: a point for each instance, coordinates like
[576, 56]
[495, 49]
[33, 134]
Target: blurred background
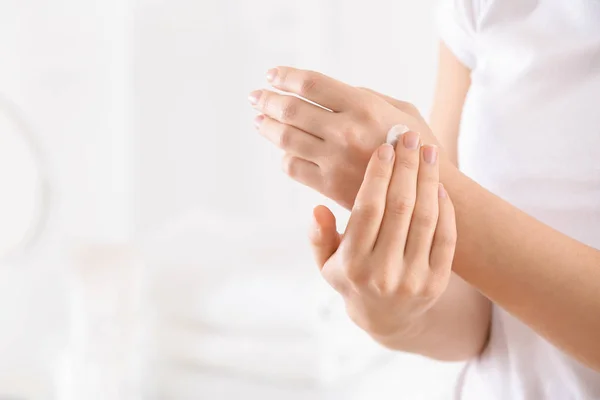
[151, 247]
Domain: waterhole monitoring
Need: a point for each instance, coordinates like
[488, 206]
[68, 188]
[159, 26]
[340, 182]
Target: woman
[519, 82]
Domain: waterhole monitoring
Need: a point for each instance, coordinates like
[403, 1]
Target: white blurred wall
[140, 110]
[195, 62]
[63, 65]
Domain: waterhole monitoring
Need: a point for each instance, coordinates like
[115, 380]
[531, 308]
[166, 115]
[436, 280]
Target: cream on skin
[546, 279]
[396, 132]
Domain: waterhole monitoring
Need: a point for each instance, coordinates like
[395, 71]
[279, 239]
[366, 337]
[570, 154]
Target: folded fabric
[249, 327]
[320, 360]
[257, 279]
[249, 300]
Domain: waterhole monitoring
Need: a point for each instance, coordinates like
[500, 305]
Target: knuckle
[351, 140]
[380, 172]
[282, 76]
[447, 240]
[432, 289]
[309, 83]
[425, 218]
[437, 283]
[329, 175]
[408, 163]
[428, 177]
[400, 204]
[366, 210]
[410, 286]
[364, 113]
[289, 109]
[266, 100]
[366, 106]
[286, 137]
[290, 166]
[383, 286]
[354, 273]
[347, 132]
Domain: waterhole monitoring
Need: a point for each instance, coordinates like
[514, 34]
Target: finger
[444, 240]
[316, 87]
[294, 111]
[303, 171]
[290, 139]
[403, 106]
[425, 214]
[369, 206]
[401, 198]
[324, 238]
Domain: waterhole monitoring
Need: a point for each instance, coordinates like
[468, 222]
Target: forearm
[455, 329]
[547, 280]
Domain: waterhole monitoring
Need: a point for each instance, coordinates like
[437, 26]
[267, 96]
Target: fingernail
[442, 191]
[396, 133]
[430, 154]
[254, 97]
[272, 74]
[258, 120]
[386, 152]
[411, 140]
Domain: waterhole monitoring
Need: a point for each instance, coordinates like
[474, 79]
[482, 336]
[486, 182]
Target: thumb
[324, 237]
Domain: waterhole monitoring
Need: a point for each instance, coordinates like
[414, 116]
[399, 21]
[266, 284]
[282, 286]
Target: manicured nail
[430, 154]
[442, 191]
[272, 74]
[258, 120]
[395, 134]
[254, 97]
[386, 152]
[411, 140]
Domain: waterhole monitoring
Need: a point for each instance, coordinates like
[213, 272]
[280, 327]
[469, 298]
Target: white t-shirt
[530, 133]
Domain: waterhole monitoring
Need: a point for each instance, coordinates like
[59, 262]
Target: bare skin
[456, 326]
[547, 280]
[392, 265]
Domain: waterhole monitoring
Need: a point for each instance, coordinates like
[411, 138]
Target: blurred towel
[317, 360]
[250, 301]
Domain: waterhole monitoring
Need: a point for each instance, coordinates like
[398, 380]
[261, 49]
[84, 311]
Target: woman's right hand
[328, 146]
[394, 261]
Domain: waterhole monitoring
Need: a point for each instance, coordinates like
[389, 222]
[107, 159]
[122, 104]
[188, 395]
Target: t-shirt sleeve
[457, 26]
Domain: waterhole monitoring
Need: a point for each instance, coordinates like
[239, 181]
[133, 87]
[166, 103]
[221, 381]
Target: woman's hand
[328, 146]
[394, 260]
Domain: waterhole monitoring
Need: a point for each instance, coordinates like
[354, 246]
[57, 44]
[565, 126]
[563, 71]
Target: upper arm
[453, 82]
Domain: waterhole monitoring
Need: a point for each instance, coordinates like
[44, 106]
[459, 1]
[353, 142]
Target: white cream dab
[395, 133]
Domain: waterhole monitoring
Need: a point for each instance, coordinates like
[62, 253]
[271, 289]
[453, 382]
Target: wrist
[450, 176]
[403, 339]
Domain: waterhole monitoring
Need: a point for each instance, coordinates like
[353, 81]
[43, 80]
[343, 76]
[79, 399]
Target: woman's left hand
[394, 261]
[328, 147]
